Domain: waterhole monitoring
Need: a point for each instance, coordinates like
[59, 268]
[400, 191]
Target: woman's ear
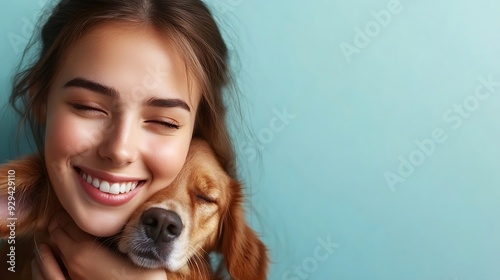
[245, 256]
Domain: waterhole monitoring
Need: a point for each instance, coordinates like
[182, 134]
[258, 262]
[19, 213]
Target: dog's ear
[20, 193]
[244, 254]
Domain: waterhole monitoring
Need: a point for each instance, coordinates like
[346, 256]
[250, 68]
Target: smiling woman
[131, 138]
[114, 98]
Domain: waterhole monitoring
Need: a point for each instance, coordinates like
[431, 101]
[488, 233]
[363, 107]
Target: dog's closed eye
[205, 198]
[207, 191]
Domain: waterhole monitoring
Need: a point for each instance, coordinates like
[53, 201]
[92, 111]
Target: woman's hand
[83, 256]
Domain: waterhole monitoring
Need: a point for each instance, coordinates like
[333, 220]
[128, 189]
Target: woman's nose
[119, 144]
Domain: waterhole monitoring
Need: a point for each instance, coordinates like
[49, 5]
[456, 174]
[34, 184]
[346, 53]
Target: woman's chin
[100, 228]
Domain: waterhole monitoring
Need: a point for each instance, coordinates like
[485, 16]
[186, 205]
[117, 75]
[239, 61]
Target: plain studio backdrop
[376, 152]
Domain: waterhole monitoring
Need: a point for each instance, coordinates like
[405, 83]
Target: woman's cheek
[69, 135]
[166, 159]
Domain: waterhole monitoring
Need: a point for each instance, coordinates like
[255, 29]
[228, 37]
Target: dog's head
[200, 212]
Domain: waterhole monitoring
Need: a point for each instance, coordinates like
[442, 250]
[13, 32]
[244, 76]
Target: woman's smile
[108, 183]
[108, 189]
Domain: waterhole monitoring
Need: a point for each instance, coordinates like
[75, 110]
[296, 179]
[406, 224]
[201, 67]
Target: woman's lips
[110, 193]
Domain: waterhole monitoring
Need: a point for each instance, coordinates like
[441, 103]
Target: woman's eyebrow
[111, 92]
[167, 103]
[92, 86]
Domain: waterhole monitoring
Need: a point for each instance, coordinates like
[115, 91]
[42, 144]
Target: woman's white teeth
[106, 187]
[123, 187]
[115, 188]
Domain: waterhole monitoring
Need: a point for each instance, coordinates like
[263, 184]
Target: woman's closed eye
[167, 124]
[87, 108]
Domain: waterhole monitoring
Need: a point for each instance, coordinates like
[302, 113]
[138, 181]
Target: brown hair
[188, 24]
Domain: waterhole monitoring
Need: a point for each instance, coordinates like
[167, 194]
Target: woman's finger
[45, 265]
[36, 272]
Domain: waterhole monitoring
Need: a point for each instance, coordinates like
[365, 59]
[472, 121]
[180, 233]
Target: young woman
[116, 93]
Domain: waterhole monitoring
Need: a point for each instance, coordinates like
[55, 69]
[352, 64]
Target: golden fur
[208, 202]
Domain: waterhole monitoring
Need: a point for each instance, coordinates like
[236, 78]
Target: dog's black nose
[161, 225]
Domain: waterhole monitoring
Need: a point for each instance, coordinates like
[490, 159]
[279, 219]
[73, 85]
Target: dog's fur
[205, 198]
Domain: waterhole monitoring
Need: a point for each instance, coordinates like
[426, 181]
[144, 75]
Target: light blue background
[320, 175]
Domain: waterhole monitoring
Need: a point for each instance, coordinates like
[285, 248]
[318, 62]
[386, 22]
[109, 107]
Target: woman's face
[119, 121]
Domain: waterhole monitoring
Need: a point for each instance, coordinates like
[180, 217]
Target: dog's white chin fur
[171, 266]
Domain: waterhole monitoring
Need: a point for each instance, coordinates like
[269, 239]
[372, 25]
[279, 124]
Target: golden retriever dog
[176, 229]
